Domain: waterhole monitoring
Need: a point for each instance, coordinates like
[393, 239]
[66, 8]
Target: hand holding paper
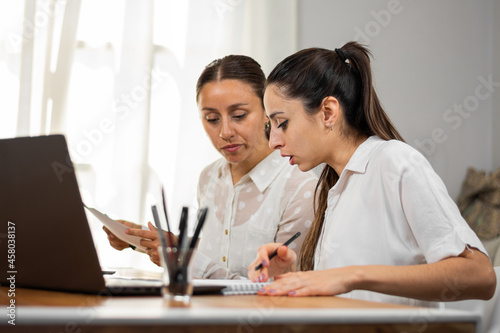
[115, 242]
[117, 228]
[150, 240]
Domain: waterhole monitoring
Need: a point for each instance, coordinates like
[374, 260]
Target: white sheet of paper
[117, 228]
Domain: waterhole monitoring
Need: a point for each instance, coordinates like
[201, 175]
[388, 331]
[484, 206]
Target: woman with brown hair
[385, 228]
[253, 196]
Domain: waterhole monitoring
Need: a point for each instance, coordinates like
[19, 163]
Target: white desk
[44, 311]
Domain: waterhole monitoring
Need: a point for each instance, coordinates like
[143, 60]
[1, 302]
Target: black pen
[166, 215]
[164, 200]
[275, 252]
[201, 220]
[182, 227]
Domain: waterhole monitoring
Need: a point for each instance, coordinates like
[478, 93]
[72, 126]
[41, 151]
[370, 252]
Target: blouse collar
[262, 174]
[359, 160]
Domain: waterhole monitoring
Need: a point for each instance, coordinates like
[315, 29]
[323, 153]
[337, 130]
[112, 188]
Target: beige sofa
[479, 204]
[493, 248]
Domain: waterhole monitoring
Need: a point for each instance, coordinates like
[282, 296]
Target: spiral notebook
[232, 287]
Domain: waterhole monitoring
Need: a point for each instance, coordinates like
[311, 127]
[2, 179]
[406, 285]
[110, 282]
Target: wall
[432, 64]
[496, 74]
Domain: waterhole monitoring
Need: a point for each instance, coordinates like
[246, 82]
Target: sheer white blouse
[269, 204]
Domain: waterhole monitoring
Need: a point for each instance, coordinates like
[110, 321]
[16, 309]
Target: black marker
[275, 252]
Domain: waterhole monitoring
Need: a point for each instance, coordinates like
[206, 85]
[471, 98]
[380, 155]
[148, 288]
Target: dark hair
[312, 74]
[235, 67]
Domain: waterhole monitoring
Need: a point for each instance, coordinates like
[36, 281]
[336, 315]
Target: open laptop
[43, 226]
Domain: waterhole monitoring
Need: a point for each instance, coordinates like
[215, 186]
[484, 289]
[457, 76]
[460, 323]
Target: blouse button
[224, 259]
[226, 232]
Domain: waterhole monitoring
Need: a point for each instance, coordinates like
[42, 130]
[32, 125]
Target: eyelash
[240, 116]
[237, 117]
[283, 125]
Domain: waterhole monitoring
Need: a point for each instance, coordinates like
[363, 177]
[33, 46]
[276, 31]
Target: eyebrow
[232, 106]
[274, 114]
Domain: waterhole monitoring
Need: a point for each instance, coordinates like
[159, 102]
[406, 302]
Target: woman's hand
[114, 241]
[283, 262]
[151, 241]
[470, 274]
[324, 282]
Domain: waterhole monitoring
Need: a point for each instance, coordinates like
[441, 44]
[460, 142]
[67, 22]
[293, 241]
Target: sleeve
[297, 208]
[433, 216]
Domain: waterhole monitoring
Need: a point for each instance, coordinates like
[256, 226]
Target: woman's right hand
[114, 241]
[283, 262]
[151, 241]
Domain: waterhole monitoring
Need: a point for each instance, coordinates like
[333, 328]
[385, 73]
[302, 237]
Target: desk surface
[46, 311]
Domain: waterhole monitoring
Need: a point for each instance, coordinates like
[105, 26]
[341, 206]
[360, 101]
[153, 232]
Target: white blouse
[389, 207]
[269, 204]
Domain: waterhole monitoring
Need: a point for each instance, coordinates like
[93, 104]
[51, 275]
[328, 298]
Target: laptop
[44, 232]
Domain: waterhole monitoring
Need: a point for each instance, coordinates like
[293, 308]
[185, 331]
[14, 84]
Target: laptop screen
[43, 226]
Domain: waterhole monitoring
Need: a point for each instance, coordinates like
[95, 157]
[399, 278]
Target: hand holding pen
[284, 260]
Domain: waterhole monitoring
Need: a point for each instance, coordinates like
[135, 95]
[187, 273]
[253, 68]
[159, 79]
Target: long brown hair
[312, 74]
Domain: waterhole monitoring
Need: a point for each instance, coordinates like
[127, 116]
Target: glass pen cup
[177, 274]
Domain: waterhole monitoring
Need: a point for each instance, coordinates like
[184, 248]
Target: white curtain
[117, 77]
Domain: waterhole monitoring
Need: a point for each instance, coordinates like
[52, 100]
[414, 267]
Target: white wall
[496, 74]
[430, 57]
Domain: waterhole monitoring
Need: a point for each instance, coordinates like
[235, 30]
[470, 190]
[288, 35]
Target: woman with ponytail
[385, 228]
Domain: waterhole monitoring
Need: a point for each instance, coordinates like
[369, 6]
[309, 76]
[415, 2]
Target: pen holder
[177, 274]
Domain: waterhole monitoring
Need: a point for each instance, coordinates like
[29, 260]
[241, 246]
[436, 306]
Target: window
[118, 79]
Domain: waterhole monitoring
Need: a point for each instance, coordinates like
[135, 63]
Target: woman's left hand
[428, 282]
[325, 282]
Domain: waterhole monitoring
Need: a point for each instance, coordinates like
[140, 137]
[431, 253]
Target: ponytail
[312, 74]
[374, 117]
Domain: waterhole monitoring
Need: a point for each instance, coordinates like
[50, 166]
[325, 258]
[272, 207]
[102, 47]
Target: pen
[201, 219]
[275, 252]
[163, 239]
[182, 227]
[166, 215]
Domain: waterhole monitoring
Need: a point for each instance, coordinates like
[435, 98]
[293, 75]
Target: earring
[331, 128]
